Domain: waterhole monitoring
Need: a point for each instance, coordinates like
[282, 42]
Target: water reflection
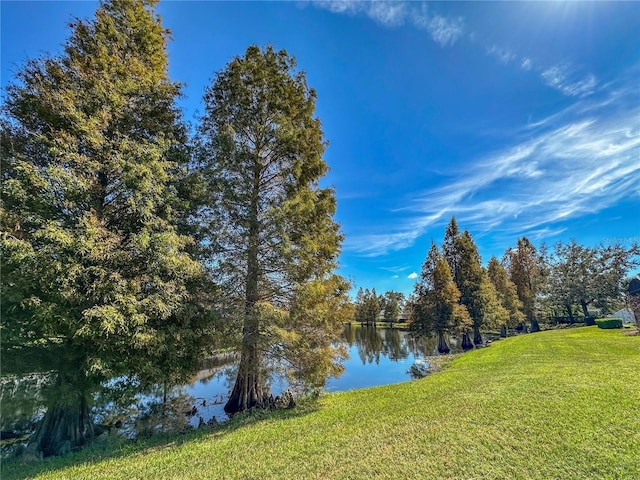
[21, 403]
[377, 356]
[381, 356]
[396, 344]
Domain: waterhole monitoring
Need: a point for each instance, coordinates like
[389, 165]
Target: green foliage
[524, 265]
[268, 224]
[506, 292]
[92, 258]
[435, 303]
[367, 306]
[358, 311]
[609, 322]
[393, 303]
[494, 314]
[477, 293]
[450, 248]
[582, 276]
[307, 336]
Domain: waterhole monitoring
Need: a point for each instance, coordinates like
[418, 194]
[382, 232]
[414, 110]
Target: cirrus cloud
[445, 31]
[560, 78]
[576, 162]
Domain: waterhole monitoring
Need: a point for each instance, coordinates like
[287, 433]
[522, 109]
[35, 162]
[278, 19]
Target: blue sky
[517, 118]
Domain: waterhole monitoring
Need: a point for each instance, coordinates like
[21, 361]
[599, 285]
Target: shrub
[609, 322]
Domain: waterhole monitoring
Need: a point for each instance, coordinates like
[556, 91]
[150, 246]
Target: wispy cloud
[388, 13]
[395, 269]
[445, 31]
[561, 78]
[504, 55]
[375, 244]
[542, 233]
[412, 275]
[579, 161]
[579, 166]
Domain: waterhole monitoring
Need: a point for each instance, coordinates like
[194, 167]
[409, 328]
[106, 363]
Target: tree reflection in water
[393, 343]
[378, 356]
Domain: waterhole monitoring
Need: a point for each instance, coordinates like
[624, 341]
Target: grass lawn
[550, 405]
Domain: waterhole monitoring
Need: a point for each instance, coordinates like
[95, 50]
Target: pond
[381, 356]
[377, 356]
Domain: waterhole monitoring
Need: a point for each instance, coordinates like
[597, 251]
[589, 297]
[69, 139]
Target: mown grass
[555, 404]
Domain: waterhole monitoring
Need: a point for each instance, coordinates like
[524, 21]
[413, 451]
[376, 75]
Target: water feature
[377, 356]
[380, 356]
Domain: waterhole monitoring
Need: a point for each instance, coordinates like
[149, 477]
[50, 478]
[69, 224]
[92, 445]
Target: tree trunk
[570, 312]
[466, 342]
[442, 344]
[535, 327]
[247, 391]
[67, 424]
[588, 319]
[585, 310]
[477, 338]
[503, 331]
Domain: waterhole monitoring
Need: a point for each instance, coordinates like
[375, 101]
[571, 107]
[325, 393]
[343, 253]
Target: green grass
[555, 404]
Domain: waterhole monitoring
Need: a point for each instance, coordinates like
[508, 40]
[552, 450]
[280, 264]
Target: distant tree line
[370, 307]
[132, 248]
[456, 295]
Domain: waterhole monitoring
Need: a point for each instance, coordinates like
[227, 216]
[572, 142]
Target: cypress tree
[94, 267]
[273, 242]
[435, 302]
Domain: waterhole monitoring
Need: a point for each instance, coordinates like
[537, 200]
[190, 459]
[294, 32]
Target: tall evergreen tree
[494, 314]
[394, 302]
[471, 280]
[477, 294]
[94, 267]
[359, 310]
[270, 225]
[507, 295]
[524, 265]
[451, 249]
[367, 307]
[435, 302]
[372, 307]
